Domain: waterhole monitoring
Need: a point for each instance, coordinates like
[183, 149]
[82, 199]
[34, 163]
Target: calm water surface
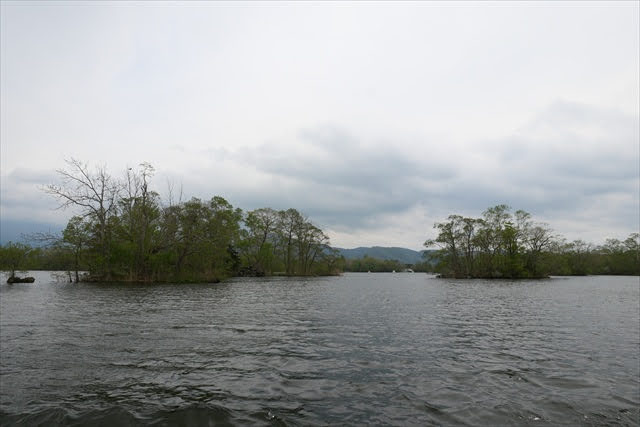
[399, 349]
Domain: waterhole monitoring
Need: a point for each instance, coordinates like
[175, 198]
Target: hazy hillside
[403, 255]
[17, 231]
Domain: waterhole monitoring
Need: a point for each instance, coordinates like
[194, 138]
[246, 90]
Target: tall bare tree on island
[95, 193]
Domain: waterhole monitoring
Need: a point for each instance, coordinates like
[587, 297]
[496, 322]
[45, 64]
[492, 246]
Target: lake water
[399, 349]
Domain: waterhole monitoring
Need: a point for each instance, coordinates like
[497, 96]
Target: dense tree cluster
[14, 257]
[581, 258]
[374, 265]
[284, 241]
[18, 257]
[125, 232]
[503, 244]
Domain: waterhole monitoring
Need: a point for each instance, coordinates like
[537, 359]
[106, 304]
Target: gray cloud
[22, 197]
[340, 179]
[567, 160]
[345, 182]
[371, 133]
[572, 156]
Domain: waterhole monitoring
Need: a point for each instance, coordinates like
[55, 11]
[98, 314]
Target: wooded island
[509, 245]
[124, 232]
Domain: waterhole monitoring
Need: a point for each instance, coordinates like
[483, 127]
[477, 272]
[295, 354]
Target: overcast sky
[374, 119]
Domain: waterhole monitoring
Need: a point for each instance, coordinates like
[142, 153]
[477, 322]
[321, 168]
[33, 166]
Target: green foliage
[502, 244]
[125, 233]
[284, 242]
[373, 265]
[15, 257]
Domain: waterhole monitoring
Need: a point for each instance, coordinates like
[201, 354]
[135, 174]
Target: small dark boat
[16, 279]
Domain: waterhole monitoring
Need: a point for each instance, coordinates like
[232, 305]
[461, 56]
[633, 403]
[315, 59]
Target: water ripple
[360, 349]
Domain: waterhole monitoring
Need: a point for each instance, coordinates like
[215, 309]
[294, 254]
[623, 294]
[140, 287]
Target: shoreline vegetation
[506, 245]
[124, 232]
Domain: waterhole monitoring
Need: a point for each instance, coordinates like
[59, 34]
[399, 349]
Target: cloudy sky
[374, 119]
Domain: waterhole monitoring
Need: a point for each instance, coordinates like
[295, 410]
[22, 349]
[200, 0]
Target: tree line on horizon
[124, 232]
[502, 244]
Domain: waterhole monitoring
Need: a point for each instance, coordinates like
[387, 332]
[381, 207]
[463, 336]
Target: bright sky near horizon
[374, 119]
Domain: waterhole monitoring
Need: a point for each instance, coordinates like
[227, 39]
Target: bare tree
[95, 193]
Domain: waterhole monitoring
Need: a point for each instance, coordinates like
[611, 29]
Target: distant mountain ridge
[18, 231]
[404, 255]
